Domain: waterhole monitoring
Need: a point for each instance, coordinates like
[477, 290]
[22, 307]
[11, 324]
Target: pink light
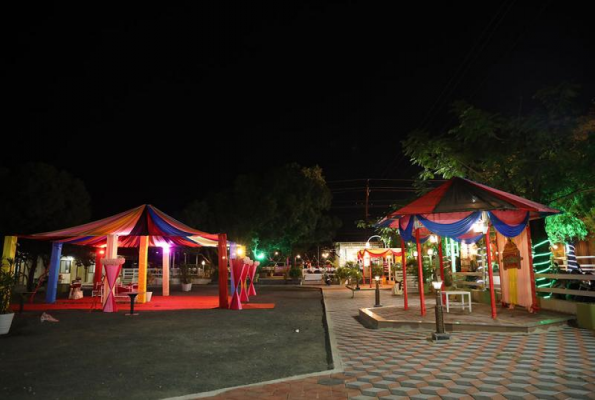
[165, 248]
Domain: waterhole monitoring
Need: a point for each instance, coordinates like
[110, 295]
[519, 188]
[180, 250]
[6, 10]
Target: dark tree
[275, 210]
[41, 198]
[546, 154]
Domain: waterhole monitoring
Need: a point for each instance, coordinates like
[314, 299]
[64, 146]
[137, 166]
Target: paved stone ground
[481, 314]
[388, 364]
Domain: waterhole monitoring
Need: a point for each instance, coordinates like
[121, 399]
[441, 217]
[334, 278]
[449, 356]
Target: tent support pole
[165, 272]
[490, 273]
[420, 272]
[404, 265]
[98, 267]
[143, 254]
[223, 299]
[9, 251]
[535, 305]
[50, 294]
[441, 258]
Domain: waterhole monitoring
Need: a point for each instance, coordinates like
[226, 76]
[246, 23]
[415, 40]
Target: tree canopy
[546, 154]
[41, 198]
[275, 210]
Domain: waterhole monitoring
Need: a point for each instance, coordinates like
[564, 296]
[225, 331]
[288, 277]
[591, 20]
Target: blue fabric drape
[451, 230]
[508, 230]
[408, 235]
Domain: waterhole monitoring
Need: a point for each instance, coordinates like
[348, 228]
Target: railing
[562, 262]
[129, 275]
[460, 278]
[568, 277]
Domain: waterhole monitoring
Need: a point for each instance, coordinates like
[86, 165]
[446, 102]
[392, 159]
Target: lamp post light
[430, 254]
[440, 335]
[377, 279]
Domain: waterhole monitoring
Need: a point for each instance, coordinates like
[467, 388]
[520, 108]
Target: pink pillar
[252, 290]
[244, 282]
[422, 299]
[112, 270]
[237, 269]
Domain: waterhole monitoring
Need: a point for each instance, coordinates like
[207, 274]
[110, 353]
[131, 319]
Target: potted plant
[295, 274]
[185, 278]
[7, 282]
[204, 275]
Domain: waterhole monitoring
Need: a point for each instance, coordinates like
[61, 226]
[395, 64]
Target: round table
[132, 296]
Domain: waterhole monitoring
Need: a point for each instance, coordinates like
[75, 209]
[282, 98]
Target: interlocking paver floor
[391, 364]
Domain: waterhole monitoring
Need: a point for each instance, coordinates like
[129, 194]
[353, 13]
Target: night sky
[163, 104]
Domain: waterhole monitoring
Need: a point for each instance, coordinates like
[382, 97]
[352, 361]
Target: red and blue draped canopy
[130, 225]
[453, 208]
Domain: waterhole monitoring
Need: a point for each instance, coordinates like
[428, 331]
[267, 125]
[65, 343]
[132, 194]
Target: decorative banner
[511, 256]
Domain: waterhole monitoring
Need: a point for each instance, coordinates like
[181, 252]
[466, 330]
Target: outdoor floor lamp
[440, 334]
[377, 279]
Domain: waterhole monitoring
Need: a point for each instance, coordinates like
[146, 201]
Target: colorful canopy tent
[141, 227]
[464, 210]
[367, 254]
[378, 253]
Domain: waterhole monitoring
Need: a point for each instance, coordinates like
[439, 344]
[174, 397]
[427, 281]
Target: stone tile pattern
[389, 364]
[481, 314]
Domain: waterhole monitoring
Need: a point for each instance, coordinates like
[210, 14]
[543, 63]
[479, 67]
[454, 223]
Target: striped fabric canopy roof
[130, 225]
[460, 195]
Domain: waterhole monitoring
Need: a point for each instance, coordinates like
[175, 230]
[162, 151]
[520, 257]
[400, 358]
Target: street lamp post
[377, 279]
[440, 334]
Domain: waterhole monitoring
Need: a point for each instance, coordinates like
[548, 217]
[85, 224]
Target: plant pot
[585, 314]
[186, 287]
[201, 281]
[5, 323]
[148, 296]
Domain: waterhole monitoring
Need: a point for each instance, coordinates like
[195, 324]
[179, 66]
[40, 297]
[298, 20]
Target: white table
[463, 304]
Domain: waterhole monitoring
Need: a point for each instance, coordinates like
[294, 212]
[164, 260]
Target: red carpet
[158, 303]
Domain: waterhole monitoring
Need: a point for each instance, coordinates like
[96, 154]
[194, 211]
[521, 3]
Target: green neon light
[542, 254]
[542, 262]
[542, 271]
[541, 243]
